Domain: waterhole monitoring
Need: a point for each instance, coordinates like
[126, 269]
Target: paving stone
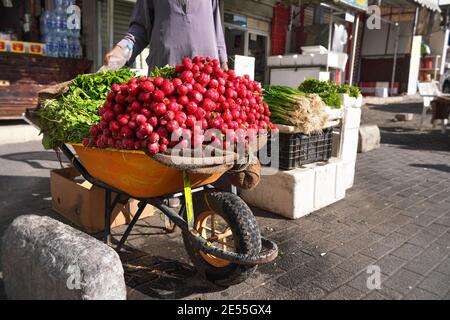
[260, 293]
[385, 229]
[394, 240]
[297, 276]
[345, 293]
[444, 239]
[419, 294]
[422, 239]
[444, 221]
[423, 220]
[322, 263]
[332, 278]
[376, 250]
[360, 281]
[390, 264]
[436, 283]
[444, 267]
[375, 295]
[407, 251]
[356, 263]
[291, 260]
[403, 281]
[308, 291]
[429, 259]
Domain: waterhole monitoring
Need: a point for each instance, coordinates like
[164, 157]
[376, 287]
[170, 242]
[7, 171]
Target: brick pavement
[397, 216]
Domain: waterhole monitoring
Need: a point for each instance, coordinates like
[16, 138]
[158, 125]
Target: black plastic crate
[297, 149]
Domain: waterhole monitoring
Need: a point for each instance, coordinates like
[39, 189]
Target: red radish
[170, 115]
[172, 126]
[161, 109]
[183, 100]
[153, 121]
[180, 117]
[141, 119]
[196, 96]
[182, 90]
[148, 86]
[168, 88]
[153, 138]
[94, 131]
[187, 76]
[187, 63]
[126, 132]
[134, 89]
[158, 81]
[153, 148]
[114, 126]
[109, 116]
[191, 107]
[162, 131]
[121, 99]
[158, 95]
[163, 148]
[146, 128]
[118, 109]
[132, 124]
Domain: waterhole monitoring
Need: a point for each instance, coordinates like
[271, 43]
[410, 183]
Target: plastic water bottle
[77, 48]
[61, 18]
[52, 46]
[63, 44]
[45, 17]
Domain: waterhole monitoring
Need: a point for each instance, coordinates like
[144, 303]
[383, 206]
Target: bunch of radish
[156, 114]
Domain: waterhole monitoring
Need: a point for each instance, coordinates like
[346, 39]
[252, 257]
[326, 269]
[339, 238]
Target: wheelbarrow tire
[246, 235]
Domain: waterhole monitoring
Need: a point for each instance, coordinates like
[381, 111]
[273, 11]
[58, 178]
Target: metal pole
[354, 43]
[394, 67]
[330, 34]
[110, 23]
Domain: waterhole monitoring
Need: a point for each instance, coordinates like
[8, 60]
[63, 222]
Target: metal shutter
[122, 14]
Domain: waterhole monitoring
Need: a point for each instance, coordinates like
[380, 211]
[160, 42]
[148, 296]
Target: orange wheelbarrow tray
[135, 175]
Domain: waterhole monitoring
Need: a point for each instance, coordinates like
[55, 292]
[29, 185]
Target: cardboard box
[83, 204]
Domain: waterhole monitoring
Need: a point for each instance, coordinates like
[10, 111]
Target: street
[396, 217]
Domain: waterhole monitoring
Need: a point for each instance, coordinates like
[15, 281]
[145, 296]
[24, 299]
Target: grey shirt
[175, 29]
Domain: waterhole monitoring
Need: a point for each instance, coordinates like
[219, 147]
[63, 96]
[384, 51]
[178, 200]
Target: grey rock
[369, 138]
[44, 259]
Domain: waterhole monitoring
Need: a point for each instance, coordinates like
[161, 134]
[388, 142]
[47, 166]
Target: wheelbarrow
[219, 230]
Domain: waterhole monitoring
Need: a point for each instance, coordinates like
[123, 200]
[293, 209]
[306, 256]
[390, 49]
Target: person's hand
[225, 66]
[116, 51]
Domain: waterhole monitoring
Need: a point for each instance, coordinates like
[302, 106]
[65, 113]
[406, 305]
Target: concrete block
[404, 117]
[297, 193]
[352, 118]
[325, 186]
[369, 138]
[44, 259]
[349, 147]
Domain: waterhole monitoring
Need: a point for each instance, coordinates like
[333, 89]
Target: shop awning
[433, 5]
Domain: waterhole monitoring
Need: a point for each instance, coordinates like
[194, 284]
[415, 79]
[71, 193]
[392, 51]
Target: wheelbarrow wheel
[227, 222]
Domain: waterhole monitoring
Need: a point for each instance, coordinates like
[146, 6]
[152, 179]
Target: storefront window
[236, 20]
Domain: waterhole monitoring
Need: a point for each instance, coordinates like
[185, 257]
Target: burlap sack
[248, 178]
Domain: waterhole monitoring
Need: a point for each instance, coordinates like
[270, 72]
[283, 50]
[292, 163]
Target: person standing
[173, 29]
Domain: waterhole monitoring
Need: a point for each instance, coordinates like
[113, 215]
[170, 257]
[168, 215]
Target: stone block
[44, 259]
[369, 138]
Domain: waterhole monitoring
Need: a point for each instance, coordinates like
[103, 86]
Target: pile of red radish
[158, 114]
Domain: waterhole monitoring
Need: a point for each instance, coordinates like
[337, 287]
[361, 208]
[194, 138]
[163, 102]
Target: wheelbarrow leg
[133, 222]
[107, 232]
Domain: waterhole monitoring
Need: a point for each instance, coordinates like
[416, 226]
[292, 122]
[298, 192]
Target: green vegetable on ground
[68, 118]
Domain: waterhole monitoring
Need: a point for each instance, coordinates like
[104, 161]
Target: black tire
[245, 232]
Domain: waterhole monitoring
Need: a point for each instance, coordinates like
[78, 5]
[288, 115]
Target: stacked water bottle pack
[62, 39]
